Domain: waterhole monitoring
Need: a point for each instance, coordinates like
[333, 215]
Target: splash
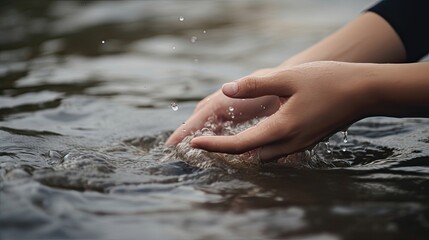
[249, 160]
[174, 106]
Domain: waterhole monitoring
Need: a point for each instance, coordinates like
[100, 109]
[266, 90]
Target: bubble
[194, 39]
[181, 18]
[174, 106]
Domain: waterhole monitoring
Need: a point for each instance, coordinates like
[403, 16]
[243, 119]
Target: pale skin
[322, 90]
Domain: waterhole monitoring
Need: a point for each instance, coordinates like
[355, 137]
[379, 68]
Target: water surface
[85, 104]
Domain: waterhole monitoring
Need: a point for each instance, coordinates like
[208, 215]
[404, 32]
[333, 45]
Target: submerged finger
[271, 152]
[264, 132]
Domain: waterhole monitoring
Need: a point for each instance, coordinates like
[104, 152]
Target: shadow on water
[82, 126]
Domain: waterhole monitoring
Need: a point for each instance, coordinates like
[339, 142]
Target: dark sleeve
[410, 19]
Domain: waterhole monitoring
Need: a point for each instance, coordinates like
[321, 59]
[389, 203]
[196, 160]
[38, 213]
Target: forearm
[369, 38]
[397, 90]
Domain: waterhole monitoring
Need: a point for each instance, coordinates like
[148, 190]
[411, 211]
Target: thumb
[252, 87]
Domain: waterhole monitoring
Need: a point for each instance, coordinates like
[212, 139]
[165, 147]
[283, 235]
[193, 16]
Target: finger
[195, 122]
[257, 86]
[283, 148]
[274, 151]
[264, 132]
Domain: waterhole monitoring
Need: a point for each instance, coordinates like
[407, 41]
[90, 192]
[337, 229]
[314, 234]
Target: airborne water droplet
[174, 47]
[230, 108]
[103, 42]
[204, 31]
[181, 18]
[174, 106]
[193, 39]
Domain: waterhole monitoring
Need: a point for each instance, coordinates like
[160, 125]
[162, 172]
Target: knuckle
[251, 83]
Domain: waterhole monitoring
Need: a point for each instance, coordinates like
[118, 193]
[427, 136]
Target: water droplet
[181, 18]
[196, 60]
[344, 149]
[103, 42]
[174, 47]
[193, 39]
[345, 136]
[231, 112]
[174, 106]
[328, 147]
[263, 107]
[204, 31]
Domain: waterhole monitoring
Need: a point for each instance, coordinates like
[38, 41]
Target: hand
[316, 100]
[218, 104]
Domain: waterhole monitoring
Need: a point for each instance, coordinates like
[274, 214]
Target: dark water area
[86, 94]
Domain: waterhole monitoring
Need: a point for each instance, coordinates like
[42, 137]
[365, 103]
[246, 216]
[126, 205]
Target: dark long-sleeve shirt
[410, 20]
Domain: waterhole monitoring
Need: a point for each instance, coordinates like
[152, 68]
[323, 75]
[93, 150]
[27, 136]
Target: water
[174, 106]
[82, 126]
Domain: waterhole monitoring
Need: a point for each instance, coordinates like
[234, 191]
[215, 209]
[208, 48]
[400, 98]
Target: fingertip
[230, 89]
[195, 143]
[177, 136]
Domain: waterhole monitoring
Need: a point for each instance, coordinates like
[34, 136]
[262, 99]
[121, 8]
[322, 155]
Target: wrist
[396, 90]
[364, 90]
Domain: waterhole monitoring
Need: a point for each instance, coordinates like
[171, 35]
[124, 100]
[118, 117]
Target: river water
[89, 91]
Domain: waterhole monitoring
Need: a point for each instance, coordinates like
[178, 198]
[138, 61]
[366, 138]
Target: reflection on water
[89, 91]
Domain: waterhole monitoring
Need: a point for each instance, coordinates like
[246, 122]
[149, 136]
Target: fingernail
[230, 89]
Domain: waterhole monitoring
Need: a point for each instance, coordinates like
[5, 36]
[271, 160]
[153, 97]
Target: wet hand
[316, 100]
[225, 108]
